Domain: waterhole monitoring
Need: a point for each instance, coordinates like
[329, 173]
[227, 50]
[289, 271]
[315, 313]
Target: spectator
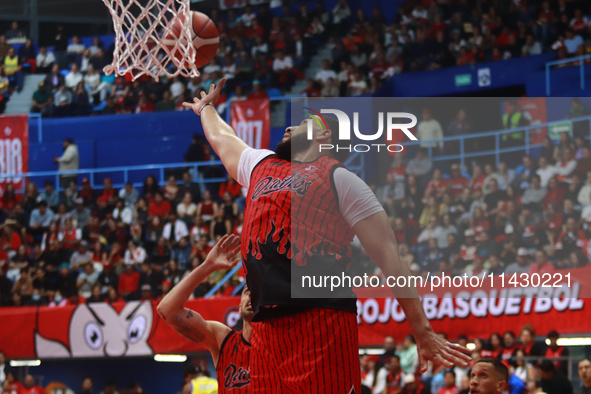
[86, 386]
[534, 195]
[585, 376]
[357, 85]
[86, 280]
[408, 355]
[531, 46]
[27, 56]
[545, 171]
[151, 278]
[75, 51]
[330, 89]
[521, 265]
[429, 129]
[54, 79]
[566, 165]
[129, 194]
[135, 253]
[166, 104]
[257, 93]
[4, 46]
[340, 15]
[14, 31]
[13, 68]
[174, 229]
[555, 351]
[325, 73]
[160, 207]
[311, 89]
[449, 383]
[171, 190]
[376, 376]
[553, 381]
[29, 386]
[283, 73]
[128, 282]
[63, 101]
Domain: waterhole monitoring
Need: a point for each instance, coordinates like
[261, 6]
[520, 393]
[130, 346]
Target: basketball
[204, 34]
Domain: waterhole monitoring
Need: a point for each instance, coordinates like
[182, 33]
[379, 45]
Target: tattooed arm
[191, 324]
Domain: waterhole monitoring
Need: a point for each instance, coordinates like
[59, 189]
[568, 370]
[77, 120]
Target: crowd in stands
[259, 51]
[107, 245]
[534, 366]
[526, 214]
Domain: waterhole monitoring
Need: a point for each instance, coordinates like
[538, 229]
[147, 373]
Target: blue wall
[119, 140]
[443, 82]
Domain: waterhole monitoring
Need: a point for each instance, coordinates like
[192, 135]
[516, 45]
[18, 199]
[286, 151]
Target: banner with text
[135, 329]
[14, 149]
[252, 121]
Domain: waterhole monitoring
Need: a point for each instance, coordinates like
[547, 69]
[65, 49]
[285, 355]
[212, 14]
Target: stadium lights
[25, 363]
[583, 341]
[170, 358]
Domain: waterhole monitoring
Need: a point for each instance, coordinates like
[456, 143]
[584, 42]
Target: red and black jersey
[233, 369]
[293, 227]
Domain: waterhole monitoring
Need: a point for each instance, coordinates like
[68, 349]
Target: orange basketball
[204, 34]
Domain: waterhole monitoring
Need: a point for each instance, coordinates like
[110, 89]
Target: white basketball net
[140, 26]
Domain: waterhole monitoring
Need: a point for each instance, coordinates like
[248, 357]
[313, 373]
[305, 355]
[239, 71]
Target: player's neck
[247, 331]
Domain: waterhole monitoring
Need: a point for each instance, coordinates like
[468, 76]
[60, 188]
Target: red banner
[14, 148]
[252, 121]
[135, 329]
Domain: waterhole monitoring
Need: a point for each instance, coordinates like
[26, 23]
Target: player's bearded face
[296, 143]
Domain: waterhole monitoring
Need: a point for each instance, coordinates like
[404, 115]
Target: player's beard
[295, 144]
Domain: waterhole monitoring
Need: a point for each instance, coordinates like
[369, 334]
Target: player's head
[246, 310]
[324, 131]
[489, 376]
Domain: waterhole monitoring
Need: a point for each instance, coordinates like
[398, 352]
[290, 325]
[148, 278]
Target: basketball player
[303, 344]
[489, 376]
[229, 349]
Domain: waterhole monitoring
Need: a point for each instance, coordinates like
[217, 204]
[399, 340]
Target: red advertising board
[252, 121]
[135, 329]
[14, 149]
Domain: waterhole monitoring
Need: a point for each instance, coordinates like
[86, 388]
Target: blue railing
[124, 173]
[497, 150]
[581, 65]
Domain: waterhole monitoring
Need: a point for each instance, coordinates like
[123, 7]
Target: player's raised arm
[189, 323]
[379, 241]
[221, 136]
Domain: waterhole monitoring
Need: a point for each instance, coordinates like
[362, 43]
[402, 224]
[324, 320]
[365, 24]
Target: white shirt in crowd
[180, 230]
[324, 75]
[430, 130]
[279, 64]
[45, 60]
[136, 257]
[72, 79]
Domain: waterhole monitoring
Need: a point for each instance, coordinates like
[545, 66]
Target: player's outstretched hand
[210, 98]
[432, 347]
[223, 254]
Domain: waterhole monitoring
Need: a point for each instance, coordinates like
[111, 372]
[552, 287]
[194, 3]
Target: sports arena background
[108, 243]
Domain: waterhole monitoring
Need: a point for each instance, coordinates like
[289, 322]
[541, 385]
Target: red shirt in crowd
[556, 194]
[478, 182]
[458, 185]
[128, 283]
[436, 188]
[32, 390]
[161, 209]
[9, 244]
[233, 188]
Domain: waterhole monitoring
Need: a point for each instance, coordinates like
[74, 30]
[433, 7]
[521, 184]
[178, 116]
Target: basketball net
[139, 28]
